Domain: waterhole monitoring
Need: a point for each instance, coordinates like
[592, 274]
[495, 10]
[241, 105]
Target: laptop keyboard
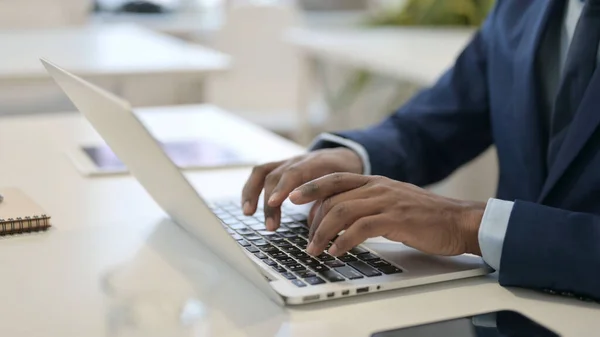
[285, 249]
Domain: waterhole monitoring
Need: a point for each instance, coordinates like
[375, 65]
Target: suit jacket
[493, 95]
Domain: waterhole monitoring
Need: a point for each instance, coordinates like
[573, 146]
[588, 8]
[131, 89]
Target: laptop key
[287, 261]
[325, 257]
[390, 270]
[243, 243]
[302, 231]
[279, 269]
[309, 261]
[364, 268]
[347, 258]
[288, 275]
[269, 262]
[260, 243]
[236, 237]
[288, 235]
[237, 227]
[230, 231]
[305, 273]
[282, 230]
[368, 257]
[291, 249]
[269, 248]
[298, 240]
[319, 268]
[294, 225]
[275, 238]
[314, 280]
[348, 272]
[379, 263]
[298, 283]
[251, 221]
[253, 237]
[260, 255]
[358, 251]
[282, 244]
[334, 263]
[278, 255]
[299, 255]
[296, 267]
[332, 276]
[267, 234]
[252, 249]
[245, 231]
[259, 227]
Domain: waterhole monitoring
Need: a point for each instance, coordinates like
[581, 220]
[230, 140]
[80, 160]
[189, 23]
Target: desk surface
[103, 50]
[47, 289]
[415, 54]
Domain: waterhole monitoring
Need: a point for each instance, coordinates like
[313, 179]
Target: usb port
[345, 292]
[362, 290]
[310, 298]
[330, 295]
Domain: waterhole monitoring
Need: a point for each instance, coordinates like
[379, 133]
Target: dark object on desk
[141, 6]
[495, 324]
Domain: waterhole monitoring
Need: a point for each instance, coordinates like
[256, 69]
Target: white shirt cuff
[493, 230]
[352, 145]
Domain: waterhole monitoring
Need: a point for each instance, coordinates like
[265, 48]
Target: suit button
[568, 294]
[550, 291]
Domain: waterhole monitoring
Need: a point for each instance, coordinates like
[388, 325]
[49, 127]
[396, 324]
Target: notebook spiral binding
[24, 225]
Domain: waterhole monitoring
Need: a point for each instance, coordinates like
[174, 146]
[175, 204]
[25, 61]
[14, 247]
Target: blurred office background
[296, 67]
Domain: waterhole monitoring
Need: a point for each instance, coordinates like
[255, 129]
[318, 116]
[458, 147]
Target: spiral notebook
[20, 214]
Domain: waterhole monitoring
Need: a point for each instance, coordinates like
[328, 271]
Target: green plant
[434, 13]
[464, 13]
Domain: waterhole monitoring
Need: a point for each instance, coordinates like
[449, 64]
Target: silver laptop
[275, 262]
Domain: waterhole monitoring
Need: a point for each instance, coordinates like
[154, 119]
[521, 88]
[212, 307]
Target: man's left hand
[371, 206]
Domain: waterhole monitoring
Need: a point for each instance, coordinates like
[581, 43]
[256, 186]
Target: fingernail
[270, 224]
[311, 248]
[334, 250]
[273, 198]
[295, 195]
[247, 207]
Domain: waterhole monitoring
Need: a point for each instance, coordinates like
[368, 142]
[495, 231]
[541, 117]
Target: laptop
[276, 263]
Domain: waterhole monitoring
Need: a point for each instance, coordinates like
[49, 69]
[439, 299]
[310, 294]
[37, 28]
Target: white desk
[144, 66]
[415, 54]
[46, 289]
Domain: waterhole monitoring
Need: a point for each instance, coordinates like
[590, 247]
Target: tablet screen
[495, 324]
[185, 154]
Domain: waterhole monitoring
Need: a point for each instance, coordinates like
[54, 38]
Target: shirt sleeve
[338, 141]
[493, 230]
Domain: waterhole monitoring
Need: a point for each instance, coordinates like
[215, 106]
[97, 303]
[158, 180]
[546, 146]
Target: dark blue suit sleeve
[552, 249]
[439, 129]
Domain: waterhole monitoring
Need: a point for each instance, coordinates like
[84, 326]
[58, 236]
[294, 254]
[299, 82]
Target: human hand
[371, 206]
[278, 179]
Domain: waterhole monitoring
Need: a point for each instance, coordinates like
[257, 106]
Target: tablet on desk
[494, 324]
[186, 154]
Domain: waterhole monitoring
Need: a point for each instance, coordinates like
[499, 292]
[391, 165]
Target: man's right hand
[278, 179]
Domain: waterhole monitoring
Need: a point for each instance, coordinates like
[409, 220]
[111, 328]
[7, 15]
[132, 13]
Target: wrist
[469, 224]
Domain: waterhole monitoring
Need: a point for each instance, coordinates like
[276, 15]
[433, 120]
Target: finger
[313, 212]
[340, 217]
[362, 229]
[326, 186]
[272, 214]
[328, 203]
[294, 176]
[254, 185]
